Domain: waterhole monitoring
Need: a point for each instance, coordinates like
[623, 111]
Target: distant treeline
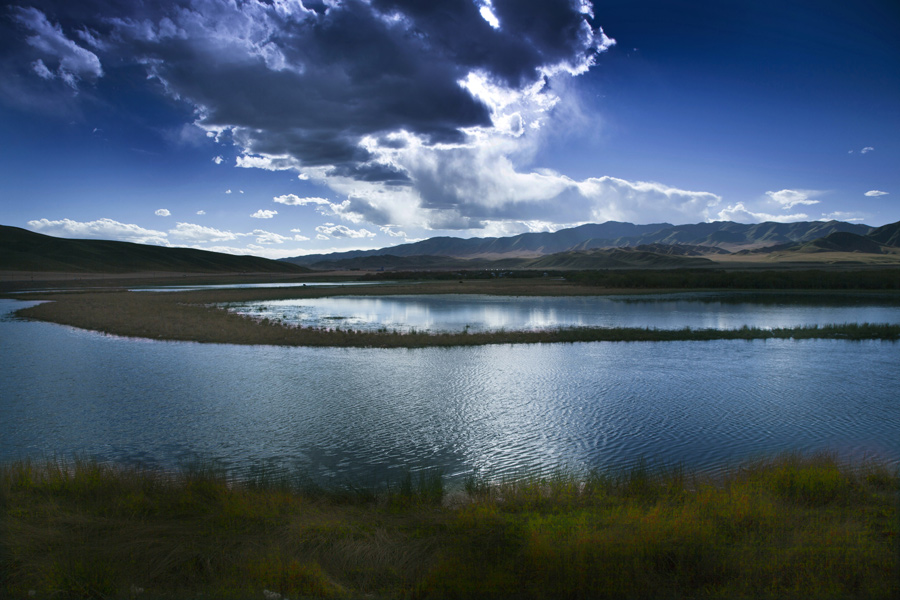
[859, 279]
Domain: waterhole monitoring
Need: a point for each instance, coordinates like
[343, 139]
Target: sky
[287, 127]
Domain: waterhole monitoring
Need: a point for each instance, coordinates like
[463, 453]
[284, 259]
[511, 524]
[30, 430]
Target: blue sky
[290, 127]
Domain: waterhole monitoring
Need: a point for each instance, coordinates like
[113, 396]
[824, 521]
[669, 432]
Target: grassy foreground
[787, 527]
[195, 316]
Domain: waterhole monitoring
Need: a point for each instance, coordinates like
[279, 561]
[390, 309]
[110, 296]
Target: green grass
[787, 527]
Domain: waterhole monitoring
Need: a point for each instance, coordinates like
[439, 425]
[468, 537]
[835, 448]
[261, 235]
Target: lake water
[365, 415]
[235, 286]
[458, 312]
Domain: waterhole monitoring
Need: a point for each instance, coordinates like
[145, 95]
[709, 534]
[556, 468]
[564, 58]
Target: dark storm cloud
[307, 81]
[532, 34]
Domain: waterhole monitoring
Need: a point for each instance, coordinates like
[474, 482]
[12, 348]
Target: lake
[472, 312]
[365, 415]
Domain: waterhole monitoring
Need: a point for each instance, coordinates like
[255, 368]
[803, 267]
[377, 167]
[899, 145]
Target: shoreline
[196, 316]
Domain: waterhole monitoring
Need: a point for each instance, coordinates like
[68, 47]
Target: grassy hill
[23, 250]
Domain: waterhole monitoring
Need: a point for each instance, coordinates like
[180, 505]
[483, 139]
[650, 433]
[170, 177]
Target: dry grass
[194, 316]
[787, 527]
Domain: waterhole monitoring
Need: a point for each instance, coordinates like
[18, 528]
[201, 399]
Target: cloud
[71, 62]
[163, 212]
[105, 229]
[842, 216]
[422, 115]
[294, 200]
[740, 214]
[342, 231]
[475, 188]
[273, 252]
[41, 69]
[218, 160]
[227, 191]
[190, 232]
[612, 198]
[875, 193]
[267, 237]
[201, 212]
[788, 199]
[866, 150]
[362, 96]
[264, 214]
[390, 232]
[402, 74]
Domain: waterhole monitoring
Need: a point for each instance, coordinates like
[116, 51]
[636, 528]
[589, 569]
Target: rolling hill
[23, 250]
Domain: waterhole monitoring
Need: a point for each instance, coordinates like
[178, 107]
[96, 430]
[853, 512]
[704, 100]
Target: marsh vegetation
[201, 316]
[788, 526]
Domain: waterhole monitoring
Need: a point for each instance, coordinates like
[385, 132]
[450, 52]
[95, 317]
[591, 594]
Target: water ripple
[367, 414]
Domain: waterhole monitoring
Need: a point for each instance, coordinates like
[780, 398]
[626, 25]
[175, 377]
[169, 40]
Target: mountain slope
[718, 234]
[886, 235]
[841, 241]
[524, 244]
[23, 250]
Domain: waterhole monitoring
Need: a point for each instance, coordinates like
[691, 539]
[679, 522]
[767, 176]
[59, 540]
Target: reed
[198, 317]
[782, 527]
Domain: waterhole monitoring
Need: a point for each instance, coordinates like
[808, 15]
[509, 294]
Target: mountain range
[593, 246]
[587, 243]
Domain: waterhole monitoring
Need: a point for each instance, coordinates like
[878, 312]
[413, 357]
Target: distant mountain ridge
[23, 250]
[716, 236]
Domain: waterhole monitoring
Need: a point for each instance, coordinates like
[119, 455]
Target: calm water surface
[363, 415]
[458, 312]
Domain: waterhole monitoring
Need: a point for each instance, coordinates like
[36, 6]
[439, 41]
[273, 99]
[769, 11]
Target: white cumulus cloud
[342, 231]
[839, 215]
[106, 229]
[264, 214]
[294, 200]
[741, 214]
[267, 237]
[875, 193]
[788, 199]
[163, 212]
[390, 232]
[191, 232]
